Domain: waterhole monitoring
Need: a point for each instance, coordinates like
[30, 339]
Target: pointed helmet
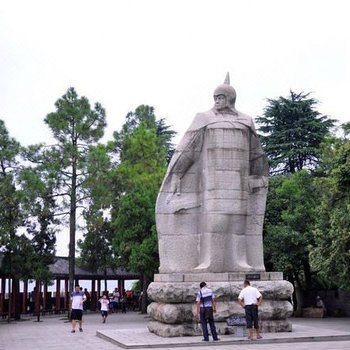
[227, 90]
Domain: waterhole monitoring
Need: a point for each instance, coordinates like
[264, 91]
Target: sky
[170, 55]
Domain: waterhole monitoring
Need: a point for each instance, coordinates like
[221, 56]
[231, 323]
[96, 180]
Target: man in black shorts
[250, 299]
[77, 298]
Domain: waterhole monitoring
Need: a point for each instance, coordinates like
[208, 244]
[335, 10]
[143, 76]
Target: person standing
[321, 305]
[77, 299]
[115, 300]
[206, 306]
[123, 302]
[104, 307]
[250, 299]
[32, 300]
[88, 299]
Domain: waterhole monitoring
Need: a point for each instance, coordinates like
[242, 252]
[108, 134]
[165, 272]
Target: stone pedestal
[173, 308]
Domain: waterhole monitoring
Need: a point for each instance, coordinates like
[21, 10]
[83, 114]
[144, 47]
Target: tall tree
[25, 202]
[290, 218]
[143, 150]
[141, 171]
[145, 114]
[96, 253]
[38, 203]
[292, 131]
[10, 215]
[331, 257]
[9, 203]
[76, 127]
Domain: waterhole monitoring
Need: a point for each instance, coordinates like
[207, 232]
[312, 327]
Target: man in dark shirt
[206, 305]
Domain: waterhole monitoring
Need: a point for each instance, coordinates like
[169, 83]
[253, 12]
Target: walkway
[130, 330]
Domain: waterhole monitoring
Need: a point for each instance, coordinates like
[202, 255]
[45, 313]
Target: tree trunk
[299, 298]
[72, 225]
[307, 273]
[17, 304]
[144, 294]
[105, 276]
[38, 300]
[10, 299]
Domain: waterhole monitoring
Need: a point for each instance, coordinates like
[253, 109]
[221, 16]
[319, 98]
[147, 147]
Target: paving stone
[53, 333]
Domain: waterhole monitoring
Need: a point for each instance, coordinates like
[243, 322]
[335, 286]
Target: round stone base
[195, 329]
[186, 312]
[173, 310]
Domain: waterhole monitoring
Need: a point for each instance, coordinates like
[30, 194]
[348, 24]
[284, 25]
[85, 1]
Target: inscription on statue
[253, 276]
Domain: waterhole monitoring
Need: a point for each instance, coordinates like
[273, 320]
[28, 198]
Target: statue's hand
[178, 186]
[256, 182]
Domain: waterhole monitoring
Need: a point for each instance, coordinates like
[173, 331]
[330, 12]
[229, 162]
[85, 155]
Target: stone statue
[210, 208]
[209, 215]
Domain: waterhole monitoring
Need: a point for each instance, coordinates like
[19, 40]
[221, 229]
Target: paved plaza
[130, 331]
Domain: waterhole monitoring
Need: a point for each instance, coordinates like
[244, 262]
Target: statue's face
[220, 102]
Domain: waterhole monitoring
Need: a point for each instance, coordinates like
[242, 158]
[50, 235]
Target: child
[104, 307]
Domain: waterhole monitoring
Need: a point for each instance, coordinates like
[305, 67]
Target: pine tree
[292, 132]
[76, 127]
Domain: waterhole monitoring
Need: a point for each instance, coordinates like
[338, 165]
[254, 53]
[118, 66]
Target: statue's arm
[259, 167]
[186, 155]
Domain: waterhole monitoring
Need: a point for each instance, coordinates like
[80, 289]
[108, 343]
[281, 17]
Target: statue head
[225, 96]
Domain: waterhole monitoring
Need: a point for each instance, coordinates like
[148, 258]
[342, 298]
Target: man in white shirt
[250, 299]
[104, 301]
[77, 298]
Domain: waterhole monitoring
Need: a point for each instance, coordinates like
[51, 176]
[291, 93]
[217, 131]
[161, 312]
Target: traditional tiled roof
[60, 269]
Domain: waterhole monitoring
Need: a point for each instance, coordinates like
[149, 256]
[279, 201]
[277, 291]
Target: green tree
[41, 229]
[96, 253]
[76, 127]
[346, 129]
[9, 203]
[38, 207]
[289, 223]
[145, 114]
[292, 132]
[331, 257]
[141, 171]
[143, 151]
[11, 244]
[24, 204]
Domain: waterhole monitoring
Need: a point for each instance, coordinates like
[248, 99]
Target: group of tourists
[113, 302]
[106, 304]
[249, 298]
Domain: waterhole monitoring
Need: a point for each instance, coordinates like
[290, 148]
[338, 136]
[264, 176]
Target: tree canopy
[331, 256]
[76, 127]
[141, 170]
[292, 132]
